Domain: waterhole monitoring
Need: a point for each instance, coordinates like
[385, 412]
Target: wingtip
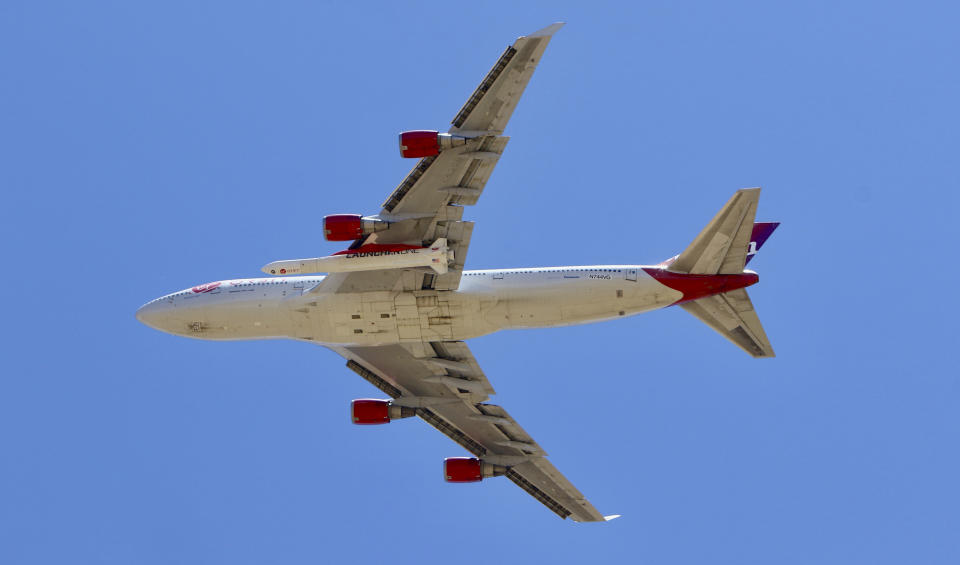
[594, 518]
[548, 31]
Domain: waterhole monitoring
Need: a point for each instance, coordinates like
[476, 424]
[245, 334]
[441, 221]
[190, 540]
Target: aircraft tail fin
[761, 232]
[732, 315]
[722, 247]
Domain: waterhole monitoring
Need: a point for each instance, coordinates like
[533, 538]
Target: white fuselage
[486, 301]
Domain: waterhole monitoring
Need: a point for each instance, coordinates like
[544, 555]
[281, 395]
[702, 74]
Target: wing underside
[449, 391]
[428, 203]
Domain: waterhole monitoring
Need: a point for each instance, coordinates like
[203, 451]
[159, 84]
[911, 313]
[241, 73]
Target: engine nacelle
[469, 470]
[427, 143]
[348, 227]
[370, 411]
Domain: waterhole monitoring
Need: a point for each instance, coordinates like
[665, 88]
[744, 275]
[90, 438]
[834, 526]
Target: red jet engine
[369, 411]
[427, 143]
[348, 227]
[469, 470]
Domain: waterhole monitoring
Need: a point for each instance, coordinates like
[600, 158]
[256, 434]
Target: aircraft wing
[446, 386]
[429, 203]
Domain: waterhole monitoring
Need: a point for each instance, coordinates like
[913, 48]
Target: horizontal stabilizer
[731, 314]
[721, 248]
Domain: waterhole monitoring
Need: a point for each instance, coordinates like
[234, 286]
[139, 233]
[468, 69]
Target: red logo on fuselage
[206, 287]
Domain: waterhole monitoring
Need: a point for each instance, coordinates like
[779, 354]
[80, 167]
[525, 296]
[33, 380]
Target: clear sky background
[149, 148]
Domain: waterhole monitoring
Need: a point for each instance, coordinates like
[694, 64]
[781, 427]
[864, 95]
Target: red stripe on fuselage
[698, 286]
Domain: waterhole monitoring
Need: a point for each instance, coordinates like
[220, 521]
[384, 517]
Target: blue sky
[148, 148]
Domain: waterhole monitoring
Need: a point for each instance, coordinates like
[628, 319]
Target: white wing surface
[446, 386]
[429, 203]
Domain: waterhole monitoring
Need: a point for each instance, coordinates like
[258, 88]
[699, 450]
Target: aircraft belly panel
[485, 306]
[380, 318]
[555, 301]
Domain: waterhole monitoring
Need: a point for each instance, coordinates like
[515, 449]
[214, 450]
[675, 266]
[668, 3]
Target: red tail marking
[698, 286]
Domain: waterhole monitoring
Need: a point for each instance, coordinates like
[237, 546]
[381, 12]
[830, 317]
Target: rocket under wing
[437, 256]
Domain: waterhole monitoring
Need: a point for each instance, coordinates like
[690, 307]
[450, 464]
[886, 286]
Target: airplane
[398, 304]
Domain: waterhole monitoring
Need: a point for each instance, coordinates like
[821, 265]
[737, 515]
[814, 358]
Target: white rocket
[369, 258]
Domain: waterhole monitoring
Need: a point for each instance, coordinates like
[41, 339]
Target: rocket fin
[440, 256]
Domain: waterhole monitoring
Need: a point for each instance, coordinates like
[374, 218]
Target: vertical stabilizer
[721, 248]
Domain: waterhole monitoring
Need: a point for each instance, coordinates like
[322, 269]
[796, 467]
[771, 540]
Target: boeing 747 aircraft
[398, 304]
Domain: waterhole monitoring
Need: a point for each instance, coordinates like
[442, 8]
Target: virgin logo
[205, 287]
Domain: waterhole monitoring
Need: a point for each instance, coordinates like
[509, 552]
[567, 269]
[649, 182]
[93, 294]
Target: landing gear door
[631, 274]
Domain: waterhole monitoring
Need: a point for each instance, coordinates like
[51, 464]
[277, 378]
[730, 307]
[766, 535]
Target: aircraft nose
[153, 314]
